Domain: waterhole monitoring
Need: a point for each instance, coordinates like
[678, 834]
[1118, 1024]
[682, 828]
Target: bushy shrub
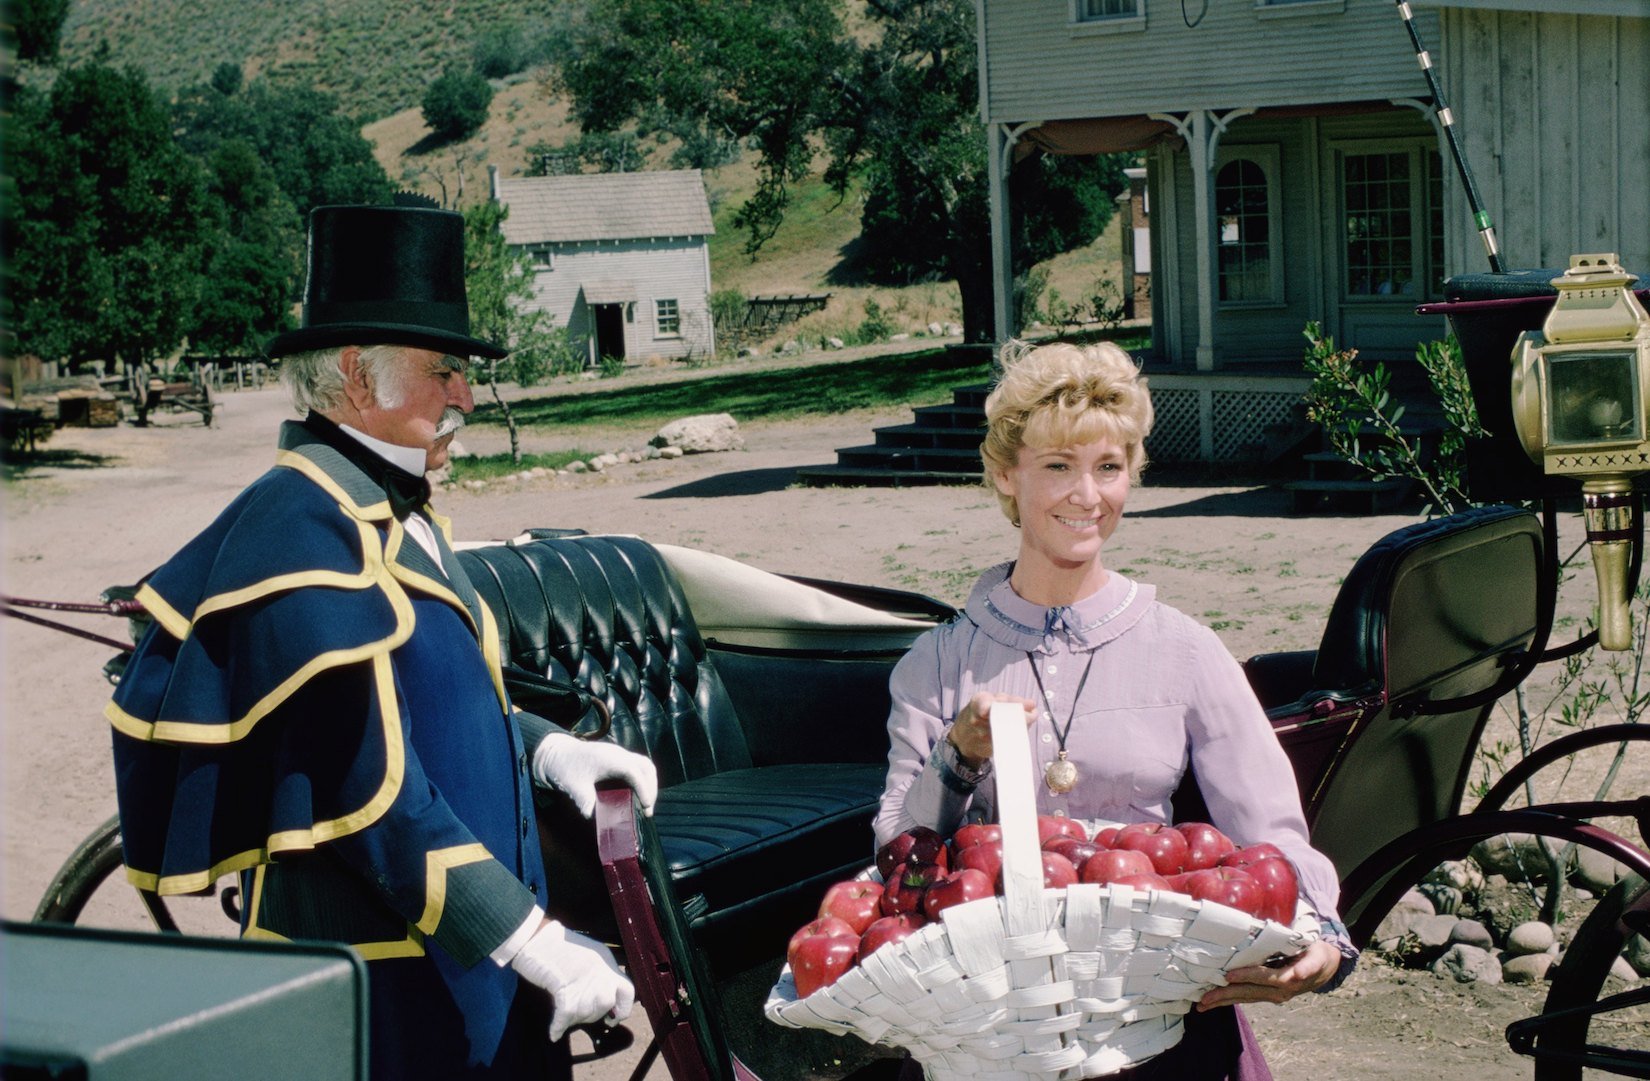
[455, 105]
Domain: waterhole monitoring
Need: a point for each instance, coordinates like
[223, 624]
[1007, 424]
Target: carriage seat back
[608, 614]
[1432, 612]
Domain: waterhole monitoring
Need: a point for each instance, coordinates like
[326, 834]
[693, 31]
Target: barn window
[1107, 16]
[540, 256]
[1247, 230]
[667, 315]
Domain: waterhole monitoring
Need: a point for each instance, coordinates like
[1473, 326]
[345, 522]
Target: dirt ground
[120, 500]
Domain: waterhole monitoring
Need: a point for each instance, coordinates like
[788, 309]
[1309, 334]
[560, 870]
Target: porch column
[999, 143]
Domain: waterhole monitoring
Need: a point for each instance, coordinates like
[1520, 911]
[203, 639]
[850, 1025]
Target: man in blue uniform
[319, 705]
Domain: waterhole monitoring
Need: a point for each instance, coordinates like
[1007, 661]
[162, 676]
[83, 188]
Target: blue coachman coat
[319, 708]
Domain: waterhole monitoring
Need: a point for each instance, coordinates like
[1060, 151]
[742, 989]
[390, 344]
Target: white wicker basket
[1079, 982]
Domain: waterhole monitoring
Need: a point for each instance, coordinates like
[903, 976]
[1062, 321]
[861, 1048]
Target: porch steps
[941, 445]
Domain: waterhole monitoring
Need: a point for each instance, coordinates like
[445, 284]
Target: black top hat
[385, 275]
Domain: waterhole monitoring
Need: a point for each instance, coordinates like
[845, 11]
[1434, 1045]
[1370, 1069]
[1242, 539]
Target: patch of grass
[822, 390]
[493, 466]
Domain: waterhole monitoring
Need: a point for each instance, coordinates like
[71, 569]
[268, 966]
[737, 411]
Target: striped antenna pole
[1480, 216]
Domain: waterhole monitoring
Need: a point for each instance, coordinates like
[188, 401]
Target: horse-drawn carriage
[762, 700]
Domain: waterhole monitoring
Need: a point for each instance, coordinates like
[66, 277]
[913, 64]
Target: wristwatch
[957, 775]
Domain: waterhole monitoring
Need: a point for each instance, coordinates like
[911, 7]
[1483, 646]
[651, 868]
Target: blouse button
[1050, 669]
[1047, 738]
[1059, 812]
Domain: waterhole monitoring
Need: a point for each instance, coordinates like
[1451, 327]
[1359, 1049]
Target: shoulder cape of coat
[304, 574]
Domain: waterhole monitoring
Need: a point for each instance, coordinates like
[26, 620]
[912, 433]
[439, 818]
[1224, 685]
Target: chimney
[492, 178]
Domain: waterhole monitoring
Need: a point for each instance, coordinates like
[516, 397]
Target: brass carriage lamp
[1578, 390]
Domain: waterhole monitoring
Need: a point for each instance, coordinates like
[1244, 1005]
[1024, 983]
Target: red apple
[902, 893]
[1165, 845]
[975, 832]
[1058, 873]
[1250, 853]
[1051, 826]
[1227, 886]
[820, 952]
[1111, 864]
[854, 902]
[958, 887]
[1107, 838]
[986, 856]
[919, 844]
[1279, 884]
[1206, 845]
[1072, 849]
[886, 930]
[1149, 880]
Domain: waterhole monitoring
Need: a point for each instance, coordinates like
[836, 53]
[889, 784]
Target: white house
[620, 259]
[1297, 166]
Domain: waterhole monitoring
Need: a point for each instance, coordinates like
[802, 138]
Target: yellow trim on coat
[372, 512]
[424, 584]
[411, 946]
[170, 619]
[395, 770]
[436, 866]
[490, 654]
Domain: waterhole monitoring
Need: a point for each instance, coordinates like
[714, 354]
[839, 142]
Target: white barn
[620, 259]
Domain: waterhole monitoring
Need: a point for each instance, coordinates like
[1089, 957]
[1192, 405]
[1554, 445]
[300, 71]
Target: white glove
[575, 765]
[580, 974]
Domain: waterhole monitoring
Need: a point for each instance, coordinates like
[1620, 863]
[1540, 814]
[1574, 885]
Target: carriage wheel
[1579, 982]
[91, 888]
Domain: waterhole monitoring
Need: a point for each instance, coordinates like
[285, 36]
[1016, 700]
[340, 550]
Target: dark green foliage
[501, 50]
[39, 26]
[896, 104]
[227, 78]
[608, 151]
[316, 156]
[255, 256]
[105, 221]
[456, 104]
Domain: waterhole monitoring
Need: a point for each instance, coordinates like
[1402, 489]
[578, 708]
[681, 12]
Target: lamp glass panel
[1594, 397]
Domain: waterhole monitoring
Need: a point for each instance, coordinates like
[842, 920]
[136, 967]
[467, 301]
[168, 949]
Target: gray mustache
[452, 419]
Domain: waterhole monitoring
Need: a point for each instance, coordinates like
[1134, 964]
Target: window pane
[1108, 9]
[668, 316]
[1379, 224]
[1245, 256]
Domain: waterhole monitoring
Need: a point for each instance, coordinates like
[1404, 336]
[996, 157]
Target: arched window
[1245, 240]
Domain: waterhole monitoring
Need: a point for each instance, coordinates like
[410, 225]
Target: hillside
[377, 57]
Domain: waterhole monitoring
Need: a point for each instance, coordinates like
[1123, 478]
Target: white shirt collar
[410, 459]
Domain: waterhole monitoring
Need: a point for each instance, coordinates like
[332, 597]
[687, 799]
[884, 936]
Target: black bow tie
[406, 492]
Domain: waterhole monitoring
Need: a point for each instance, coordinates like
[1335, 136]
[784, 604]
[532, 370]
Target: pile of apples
[923, 874]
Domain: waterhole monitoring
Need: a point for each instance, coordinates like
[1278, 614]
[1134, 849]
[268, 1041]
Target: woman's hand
[971, 731]
[1306, 971]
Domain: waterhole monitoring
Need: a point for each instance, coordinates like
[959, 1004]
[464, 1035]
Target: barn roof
[604, 206]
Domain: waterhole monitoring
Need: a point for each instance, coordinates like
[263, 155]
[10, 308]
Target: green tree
[499, 283]
[608, 151]
[455, 105]
[39, 27]
[103, 221]
[254, 258]
[316, 155]
[894, 97]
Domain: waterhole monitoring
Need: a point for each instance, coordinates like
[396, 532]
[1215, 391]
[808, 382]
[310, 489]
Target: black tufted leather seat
[749, 831]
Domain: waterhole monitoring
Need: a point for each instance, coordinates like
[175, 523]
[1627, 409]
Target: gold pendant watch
[1061, 775]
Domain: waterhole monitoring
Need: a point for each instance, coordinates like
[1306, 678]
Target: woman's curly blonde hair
[1062, 395]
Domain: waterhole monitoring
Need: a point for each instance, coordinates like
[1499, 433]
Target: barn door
[609, 331]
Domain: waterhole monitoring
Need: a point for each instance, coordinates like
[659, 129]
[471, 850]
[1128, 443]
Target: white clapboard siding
[657, 269]
[1040, 64]
[1554, 109]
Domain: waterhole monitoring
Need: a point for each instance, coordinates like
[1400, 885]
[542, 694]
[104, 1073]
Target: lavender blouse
[1163, 694]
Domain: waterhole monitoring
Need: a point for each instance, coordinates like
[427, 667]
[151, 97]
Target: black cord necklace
[1061, 775]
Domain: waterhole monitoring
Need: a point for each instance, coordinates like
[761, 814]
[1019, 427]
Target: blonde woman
[1124, 693]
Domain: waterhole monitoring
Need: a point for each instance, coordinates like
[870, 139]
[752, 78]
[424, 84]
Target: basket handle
[1023, 910]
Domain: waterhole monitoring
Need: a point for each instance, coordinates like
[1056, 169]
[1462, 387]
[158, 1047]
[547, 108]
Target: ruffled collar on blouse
[1010, 619]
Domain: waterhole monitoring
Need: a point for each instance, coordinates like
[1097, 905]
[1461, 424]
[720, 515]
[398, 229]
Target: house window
[1091, 10]
[1244, 233]
[1394, 232]
[540, 256]
[667, 317]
